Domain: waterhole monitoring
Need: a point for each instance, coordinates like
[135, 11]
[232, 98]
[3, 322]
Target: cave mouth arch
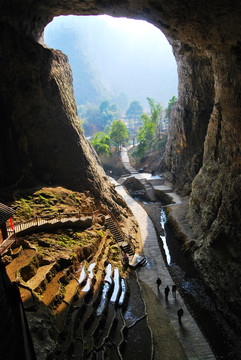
[184, 115]
[203, 152]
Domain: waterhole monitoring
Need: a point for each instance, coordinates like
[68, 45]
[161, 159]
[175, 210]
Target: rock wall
[215, 204]
[41, 139]
[41, 136]
[190, 116]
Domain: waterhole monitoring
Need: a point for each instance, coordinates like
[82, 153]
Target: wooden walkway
[40, 221]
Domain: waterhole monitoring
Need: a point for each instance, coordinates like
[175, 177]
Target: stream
[199, 299]
[201, 302]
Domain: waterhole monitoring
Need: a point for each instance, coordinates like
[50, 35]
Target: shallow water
[86, 288]
[82, 275]
[104, 299]
[123, 292]
[163, 238]
[90, 276]
[199, 299]
[116, 286]
[108, 271]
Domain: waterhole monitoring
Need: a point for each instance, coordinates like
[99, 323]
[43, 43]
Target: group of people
[166, 291]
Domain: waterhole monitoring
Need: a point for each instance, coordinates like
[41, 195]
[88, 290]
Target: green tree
[107, 113]
[145, 134]
[101, 143]
[133, 114]
[168, 110]
[156, 115]
[95, 119]
[134, 111]
[118, 133]
[149, 134]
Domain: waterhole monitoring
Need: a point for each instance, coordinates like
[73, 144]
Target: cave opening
[114, 60]
[203, 154]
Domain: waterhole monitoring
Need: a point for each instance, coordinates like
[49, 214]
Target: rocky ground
[48, 267]
[66, 287]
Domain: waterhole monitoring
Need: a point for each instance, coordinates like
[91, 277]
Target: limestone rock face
[190, 116]
[215, 206]
[41, 139]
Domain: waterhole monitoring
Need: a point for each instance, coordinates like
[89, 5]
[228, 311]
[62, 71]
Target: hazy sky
[130, 56]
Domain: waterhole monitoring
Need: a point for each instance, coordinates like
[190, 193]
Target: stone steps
[90, 330]
[104, 330]
[38, 281]
[118, 237]
[24, 259]
[88, 305]
[134, 260]
[52, 295]
[61, 311]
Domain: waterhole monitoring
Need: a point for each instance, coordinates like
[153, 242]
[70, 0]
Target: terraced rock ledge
[81, 299]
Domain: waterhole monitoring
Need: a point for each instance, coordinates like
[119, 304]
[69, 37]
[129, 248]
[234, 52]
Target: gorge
[42, 142]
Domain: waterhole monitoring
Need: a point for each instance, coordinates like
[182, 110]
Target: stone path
[126, 163]
[191, 338]
[158, 183]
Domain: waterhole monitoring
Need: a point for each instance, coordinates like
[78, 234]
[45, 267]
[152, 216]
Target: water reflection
[199, 300]
[123, 292]
[116, 286]
[163, 220]
[108, 271]
[86, 288]
[82, 274]
[103, 300]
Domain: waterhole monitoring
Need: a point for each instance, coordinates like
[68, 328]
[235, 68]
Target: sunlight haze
[124, 56]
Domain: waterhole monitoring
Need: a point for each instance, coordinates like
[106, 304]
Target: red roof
[5, 213]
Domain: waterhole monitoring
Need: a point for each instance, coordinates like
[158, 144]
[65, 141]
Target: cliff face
[41, 139]
[41, 130]
[190, 117]
[215, 204]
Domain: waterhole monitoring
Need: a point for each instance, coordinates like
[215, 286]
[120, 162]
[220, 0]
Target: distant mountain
[115, 64]
[88, 86]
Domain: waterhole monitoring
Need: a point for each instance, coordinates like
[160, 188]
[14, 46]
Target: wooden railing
[52, 219]
[48, 219]
[38, 221]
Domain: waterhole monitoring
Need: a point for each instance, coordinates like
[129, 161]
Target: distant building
[5, 214]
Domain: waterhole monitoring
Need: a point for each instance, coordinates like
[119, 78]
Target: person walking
[167, 290]
[174, 289]
[180, 314]
[158, 283]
